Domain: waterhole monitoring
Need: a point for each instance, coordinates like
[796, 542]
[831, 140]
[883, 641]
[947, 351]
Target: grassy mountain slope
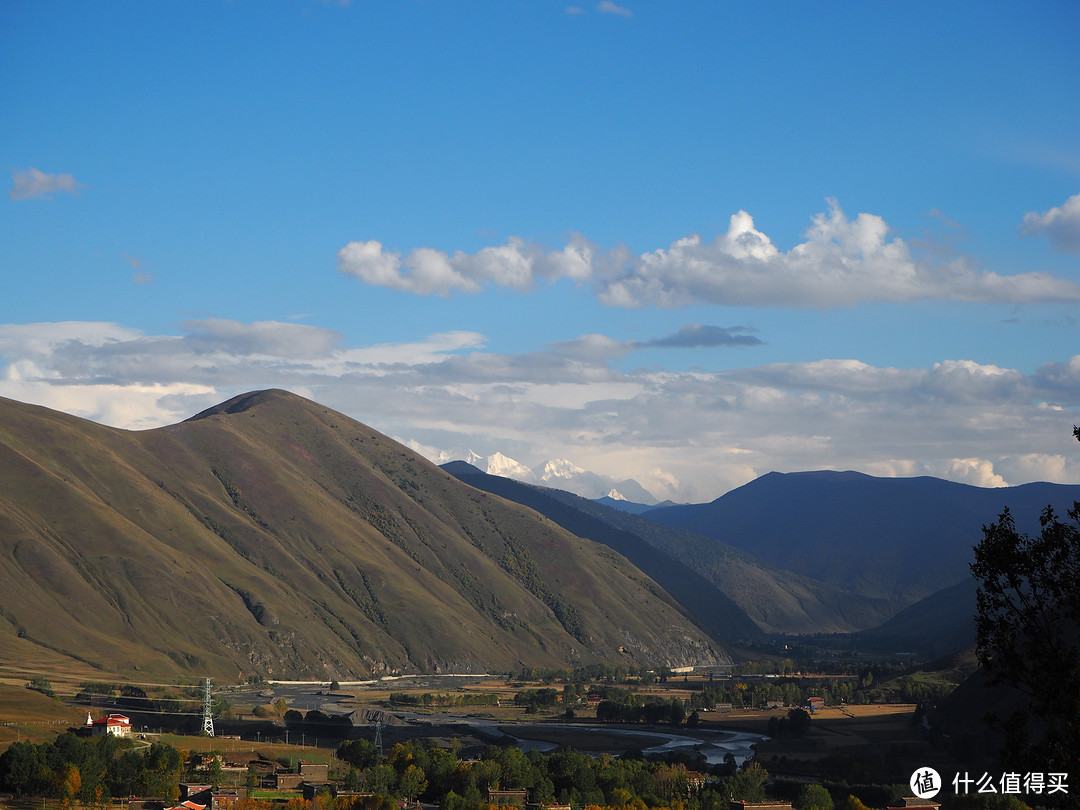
[731, 593]
[271, 535]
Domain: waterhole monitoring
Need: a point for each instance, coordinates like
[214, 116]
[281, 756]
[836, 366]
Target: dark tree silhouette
[1028, 634]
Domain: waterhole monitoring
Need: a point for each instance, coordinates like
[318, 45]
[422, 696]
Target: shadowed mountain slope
[709, 607]
[942, 623]
[270, 535]
[891, 538]
[730, 592]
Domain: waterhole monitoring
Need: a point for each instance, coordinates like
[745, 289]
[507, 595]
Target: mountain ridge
[896, 538]
[270, 535]
[772, 599]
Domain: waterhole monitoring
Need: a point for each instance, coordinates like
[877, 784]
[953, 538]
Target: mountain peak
[560, 468]
[313, 528]
[498, 464]
[245, 402]
[561, 473]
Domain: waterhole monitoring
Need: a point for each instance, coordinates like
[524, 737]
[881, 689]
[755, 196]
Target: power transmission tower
[378, 736]
[208, 711]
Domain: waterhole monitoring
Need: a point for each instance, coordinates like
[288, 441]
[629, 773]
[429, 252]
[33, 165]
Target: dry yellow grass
[29, 715]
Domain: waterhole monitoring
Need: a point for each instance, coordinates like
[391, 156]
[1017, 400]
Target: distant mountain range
[815, 552]
[889, 538]
[733, 594]
[272, 536]
[562, 474]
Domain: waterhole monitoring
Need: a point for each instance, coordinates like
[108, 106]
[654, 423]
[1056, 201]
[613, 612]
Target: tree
[798, 721]
[412, 782]
[216, 772]
[71, 782]
[852, 802]
[1028, 632]
[677, 712]
[747, 785]
[814, 797]
[358, 753]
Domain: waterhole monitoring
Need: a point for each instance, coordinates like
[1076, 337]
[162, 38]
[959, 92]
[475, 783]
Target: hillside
[272, 536]
[887, 538]
[939, 624]
[709, 606]
[731, 593]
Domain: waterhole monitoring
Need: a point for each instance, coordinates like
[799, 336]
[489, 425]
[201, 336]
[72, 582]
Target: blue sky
[684, 242]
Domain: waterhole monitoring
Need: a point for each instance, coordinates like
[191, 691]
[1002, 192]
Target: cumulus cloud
[31, 184]
[841, 262]
[686, 435]
[425, 271]
[1061, 225]
[975, 471]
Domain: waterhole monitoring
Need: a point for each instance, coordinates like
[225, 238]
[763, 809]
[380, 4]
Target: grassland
[27, 715]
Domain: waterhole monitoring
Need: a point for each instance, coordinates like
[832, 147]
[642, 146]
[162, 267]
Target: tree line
[90, 770]
[426, 772]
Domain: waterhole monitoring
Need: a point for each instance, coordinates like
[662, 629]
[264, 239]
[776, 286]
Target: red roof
[113, 720]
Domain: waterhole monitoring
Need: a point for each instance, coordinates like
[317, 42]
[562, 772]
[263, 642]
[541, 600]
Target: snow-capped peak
[561, 474]
[498, 464]
[560, 468]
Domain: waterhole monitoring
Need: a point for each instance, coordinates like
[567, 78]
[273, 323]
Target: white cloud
[425, 271]
[975, 471]
[608, 7]
[967, 381]
[1061, 225]
[688, 436]
[31, 184]
[1035, 467]
[841, 262]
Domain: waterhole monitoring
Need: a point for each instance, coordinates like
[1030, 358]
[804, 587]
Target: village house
[205, 795]
[914, 803]
[117, 725]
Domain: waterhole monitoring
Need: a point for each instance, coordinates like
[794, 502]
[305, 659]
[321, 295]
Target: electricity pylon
[208, 711]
